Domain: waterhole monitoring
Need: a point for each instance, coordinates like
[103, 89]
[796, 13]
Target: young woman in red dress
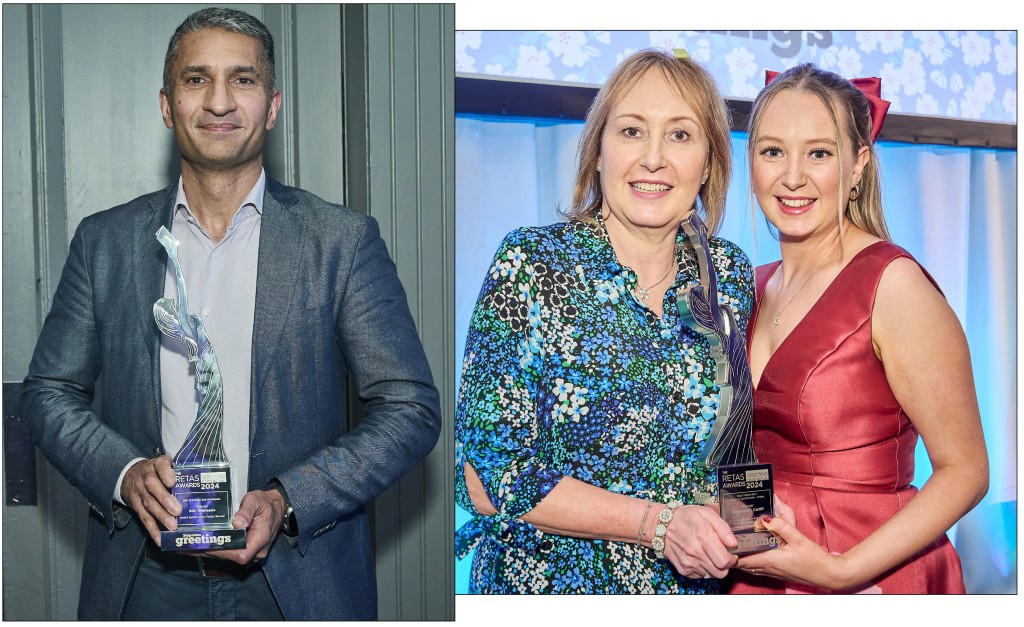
[854, 354]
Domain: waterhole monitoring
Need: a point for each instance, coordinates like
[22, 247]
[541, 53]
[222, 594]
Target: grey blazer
[328, 305]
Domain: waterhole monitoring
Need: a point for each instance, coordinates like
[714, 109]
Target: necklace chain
[778, 291]
[643, 293]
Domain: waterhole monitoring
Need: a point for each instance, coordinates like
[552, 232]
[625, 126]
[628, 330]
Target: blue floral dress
[567, 374]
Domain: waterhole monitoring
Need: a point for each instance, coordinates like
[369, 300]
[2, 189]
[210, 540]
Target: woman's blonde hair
[698, 89]
[850, 112]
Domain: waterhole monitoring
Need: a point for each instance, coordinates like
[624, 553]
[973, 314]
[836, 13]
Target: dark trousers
[161, 592]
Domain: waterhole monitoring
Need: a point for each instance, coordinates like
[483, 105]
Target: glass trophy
[202, 475]
[745, 487]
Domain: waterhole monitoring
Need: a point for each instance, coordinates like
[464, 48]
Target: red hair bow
[870, 87]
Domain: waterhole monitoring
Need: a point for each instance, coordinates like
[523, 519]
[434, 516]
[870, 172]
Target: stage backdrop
[952, 208]
[958, 74]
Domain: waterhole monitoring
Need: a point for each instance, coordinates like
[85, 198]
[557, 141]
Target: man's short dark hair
[230, 20]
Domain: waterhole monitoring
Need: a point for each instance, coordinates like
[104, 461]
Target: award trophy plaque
[202, 476]
[745, 487]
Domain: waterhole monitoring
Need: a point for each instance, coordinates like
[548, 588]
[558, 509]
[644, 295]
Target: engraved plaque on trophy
[745, 487]
[201, 470]
[745, 493]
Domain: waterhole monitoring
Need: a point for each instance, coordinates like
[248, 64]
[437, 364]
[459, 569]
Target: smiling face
[795, 167]
[219, 107]
[654, 154]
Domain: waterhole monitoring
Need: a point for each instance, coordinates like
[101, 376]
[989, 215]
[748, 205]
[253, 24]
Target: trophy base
[202, 539]
[204, 523]
[754, 542]
[746, 492]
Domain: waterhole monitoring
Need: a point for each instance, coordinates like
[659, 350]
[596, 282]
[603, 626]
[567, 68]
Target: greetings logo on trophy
[202, 475]
[745, 487]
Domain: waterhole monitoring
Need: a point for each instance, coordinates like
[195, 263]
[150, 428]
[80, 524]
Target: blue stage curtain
[953, 208]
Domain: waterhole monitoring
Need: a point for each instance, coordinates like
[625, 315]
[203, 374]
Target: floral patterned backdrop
[958, 74]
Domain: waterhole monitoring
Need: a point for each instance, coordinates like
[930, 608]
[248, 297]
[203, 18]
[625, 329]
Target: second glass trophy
[745, 487]
[201, 470]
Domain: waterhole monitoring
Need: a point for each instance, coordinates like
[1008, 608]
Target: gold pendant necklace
[778, 290]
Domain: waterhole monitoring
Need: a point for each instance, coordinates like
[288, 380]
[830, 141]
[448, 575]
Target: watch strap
[289, 527]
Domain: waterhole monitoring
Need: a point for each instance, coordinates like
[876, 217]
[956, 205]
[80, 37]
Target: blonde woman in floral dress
[585, 399]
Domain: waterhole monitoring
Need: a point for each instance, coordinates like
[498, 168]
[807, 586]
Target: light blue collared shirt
[221, 286]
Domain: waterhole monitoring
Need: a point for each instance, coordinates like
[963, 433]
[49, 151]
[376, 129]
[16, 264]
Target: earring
[599, 167]
[704, 180]
[855, 192]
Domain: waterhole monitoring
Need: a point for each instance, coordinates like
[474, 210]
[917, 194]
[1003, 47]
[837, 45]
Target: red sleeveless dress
[841, 446]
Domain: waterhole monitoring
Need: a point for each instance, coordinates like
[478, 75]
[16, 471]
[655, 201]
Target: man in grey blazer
[297, 295]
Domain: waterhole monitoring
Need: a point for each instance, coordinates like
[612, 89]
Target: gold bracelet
[643, 521]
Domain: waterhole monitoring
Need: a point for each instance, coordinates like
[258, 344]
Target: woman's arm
[927, 364]
[695, 543]
[497, 430]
